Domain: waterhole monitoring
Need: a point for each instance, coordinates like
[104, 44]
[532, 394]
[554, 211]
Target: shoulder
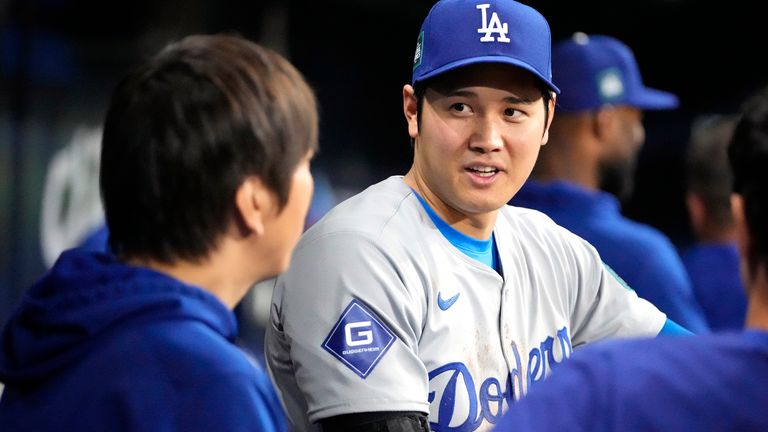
[638, 251]
[368, 213]
[533, 222]
[385, 220]
[536, 230]
[188, 350]
[640, 235]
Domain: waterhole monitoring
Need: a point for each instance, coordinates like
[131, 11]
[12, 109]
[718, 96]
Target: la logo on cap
[495, 26]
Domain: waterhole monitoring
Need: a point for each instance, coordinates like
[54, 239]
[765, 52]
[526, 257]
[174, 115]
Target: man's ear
[604, 122]
[254, 203]
[410, 110]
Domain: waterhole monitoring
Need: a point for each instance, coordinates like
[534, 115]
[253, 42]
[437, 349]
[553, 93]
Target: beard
[618, 178]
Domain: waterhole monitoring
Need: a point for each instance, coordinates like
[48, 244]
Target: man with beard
[590, 157]
[713, 382]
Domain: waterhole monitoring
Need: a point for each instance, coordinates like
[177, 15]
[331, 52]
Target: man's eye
[510, 112]
[460, 107]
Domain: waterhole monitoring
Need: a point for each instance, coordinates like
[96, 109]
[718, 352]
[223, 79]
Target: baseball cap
[458, 33]
[597, 70]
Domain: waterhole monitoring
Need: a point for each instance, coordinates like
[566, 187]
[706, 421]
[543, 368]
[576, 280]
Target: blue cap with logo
[597, 70]
[458, 33]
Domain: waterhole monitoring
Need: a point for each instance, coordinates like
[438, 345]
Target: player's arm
[666, 284]
[385, 421]
[670, 328]
[354, 328]
[603, 306]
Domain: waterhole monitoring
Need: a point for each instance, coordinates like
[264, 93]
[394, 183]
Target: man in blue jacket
[205, 183]
[713, 382]
[589, 159]
[712, 261]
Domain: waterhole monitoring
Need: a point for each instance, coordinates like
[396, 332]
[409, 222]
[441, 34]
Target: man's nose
[487, 136]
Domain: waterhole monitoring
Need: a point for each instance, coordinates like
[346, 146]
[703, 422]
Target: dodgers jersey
[639, 253]
[380, 312]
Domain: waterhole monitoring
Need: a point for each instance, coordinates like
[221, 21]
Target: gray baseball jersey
[380, 312]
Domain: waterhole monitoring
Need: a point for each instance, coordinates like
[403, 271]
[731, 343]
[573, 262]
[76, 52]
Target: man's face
[287, 225]
[480, 132]
[619, 156]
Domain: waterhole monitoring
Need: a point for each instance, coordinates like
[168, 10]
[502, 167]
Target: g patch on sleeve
[359, 339]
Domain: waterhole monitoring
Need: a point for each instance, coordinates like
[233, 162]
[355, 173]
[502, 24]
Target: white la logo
[495, 26]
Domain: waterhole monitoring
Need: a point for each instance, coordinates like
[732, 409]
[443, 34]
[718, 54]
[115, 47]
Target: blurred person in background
[589, 164]
[206, 184]
[713, 261]
[712, 382]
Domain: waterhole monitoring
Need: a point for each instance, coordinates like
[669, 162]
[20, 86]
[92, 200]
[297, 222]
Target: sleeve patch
[359, 339]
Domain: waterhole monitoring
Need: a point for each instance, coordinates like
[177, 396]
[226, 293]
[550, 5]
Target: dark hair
[748, 155]
[185, 129]
[707, 172]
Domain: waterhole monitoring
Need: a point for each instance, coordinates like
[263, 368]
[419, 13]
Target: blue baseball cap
[597, 70]
[458, 33]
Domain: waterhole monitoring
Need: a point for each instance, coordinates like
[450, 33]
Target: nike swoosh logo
[445, 304]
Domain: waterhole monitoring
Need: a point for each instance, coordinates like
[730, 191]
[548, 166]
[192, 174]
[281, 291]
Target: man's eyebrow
[463, 93]
[471, 94]
[519, 100]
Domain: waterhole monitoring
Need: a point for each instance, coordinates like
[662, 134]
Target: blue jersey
[100, 346]
[716, 278]
[714, 382]
[640, 254]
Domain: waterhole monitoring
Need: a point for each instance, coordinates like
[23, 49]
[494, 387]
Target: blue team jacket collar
[563, 194]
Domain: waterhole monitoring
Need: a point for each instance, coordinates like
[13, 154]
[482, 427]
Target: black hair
[708, 174]
[185, 129]
[748, 155]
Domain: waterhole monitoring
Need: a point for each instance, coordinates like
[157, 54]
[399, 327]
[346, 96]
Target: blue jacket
[639, 253]
[96, 345]
[712, 382]
[716, 278]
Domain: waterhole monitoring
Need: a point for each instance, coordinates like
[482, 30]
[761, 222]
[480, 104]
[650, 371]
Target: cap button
[580, 38]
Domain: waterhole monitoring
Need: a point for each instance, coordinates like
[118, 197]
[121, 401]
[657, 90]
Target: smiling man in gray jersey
[424, 301]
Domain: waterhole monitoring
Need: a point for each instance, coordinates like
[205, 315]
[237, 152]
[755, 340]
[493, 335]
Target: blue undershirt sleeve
[672, 328]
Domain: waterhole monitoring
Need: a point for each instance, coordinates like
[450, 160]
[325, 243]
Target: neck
[220, 273]
[478, 226]
[716, 233]
[757, 312]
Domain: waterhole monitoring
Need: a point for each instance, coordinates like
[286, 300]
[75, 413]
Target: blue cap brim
[488, 59]
[652, 99]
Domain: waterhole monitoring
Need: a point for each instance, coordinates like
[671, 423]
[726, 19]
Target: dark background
[60, 58]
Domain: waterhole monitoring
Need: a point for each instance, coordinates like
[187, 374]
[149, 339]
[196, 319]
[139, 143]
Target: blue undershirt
[483, 251]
